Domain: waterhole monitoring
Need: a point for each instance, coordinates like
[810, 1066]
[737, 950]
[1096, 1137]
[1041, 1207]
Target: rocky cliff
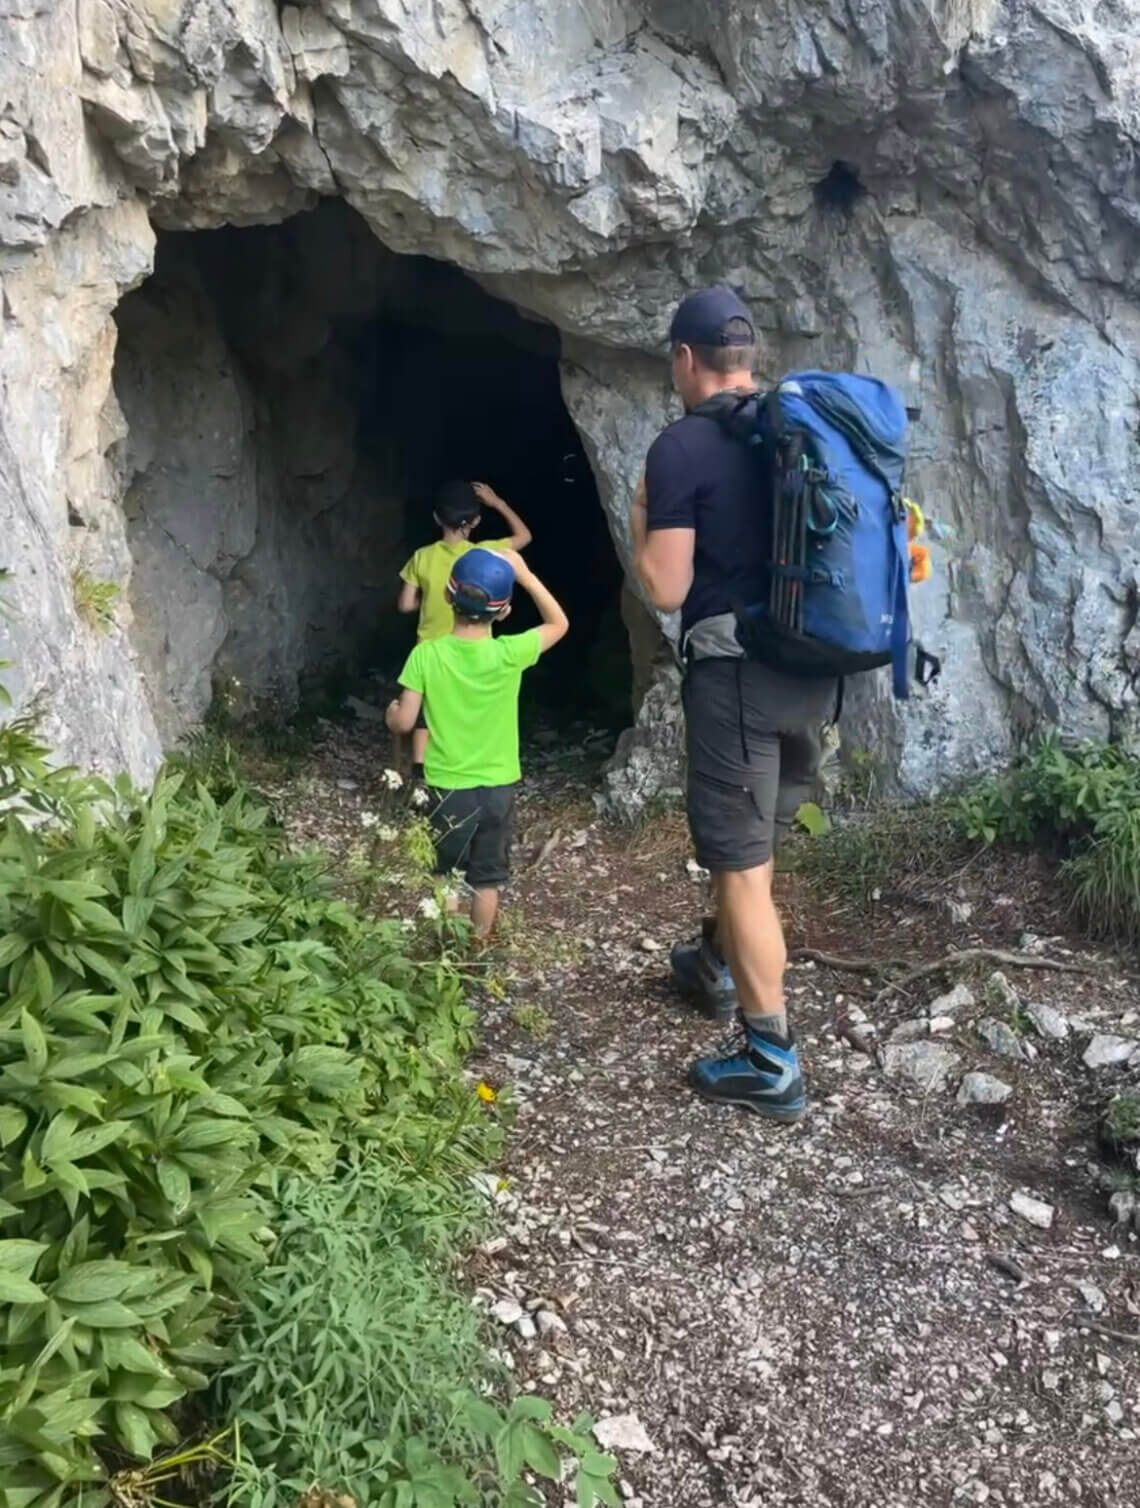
[944, 193]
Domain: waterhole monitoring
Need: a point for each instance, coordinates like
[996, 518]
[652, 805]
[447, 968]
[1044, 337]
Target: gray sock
[775, 1025]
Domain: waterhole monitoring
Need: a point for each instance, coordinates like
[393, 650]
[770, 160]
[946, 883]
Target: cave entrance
[294, 397]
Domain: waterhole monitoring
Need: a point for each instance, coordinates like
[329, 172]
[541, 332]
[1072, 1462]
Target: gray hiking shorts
[754, 742]
[472, 831]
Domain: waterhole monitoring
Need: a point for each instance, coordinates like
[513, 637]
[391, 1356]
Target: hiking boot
[762, 1074]
[703, 975]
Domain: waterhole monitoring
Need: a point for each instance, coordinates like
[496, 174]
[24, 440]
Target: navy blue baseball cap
[481, 583]
[702, 319]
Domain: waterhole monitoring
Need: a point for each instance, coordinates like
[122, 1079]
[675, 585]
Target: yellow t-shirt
[430, 570]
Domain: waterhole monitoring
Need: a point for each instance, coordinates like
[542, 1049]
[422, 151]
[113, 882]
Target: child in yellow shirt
[425, 577]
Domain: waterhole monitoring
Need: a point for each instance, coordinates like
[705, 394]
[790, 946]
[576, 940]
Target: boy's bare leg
[401, 743]
[484, 910]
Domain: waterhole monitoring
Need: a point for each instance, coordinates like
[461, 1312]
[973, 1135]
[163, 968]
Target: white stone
[960, 998]
[927, 1065]
[982, 1089]
[623, 1432]
[1000, 1038]
[1048, 1021]
[1036, 1211]
[548, 1322]
[1106, 1051]
[1093, 1296]
[910, 1031]
[507, 1311]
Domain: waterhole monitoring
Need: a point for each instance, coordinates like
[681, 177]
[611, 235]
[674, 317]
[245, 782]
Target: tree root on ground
[957, 958]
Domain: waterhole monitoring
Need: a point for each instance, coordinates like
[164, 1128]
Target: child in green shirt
[467, 684]
[425, 577]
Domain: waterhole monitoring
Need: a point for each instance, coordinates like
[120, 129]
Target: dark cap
[481, 583]
[702, 317]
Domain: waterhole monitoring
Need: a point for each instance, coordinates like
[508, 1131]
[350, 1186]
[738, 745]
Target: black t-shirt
[697, 477]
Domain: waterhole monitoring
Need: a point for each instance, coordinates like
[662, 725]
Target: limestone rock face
[943, 192]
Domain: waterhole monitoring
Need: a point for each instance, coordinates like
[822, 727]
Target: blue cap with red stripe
[481, 583]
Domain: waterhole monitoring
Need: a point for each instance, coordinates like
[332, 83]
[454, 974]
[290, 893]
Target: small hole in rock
[841, 189]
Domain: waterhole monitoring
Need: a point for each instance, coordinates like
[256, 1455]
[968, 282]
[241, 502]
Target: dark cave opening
[840, 189]
[295, 395]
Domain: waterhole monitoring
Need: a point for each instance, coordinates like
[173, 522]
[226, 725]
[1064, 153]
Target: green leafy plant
[1122, 1115]
[95, 600]
[186, 1009]
[533, 1018]
[1118, 1133]
[358, 1367]
[812, 819]
[219, 1081]
[1083, 802]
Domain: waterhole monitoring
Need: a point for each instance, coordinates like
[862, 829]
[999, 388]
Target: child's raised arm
[520, 535]
[554, 623]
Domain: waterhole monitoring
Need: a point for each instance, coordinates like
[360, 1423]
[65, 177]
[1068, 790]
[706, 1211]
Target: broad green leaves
[813, 819]
[182, 1010]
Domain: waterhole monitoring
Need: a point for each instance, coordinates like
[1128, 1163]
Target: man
[753, 734]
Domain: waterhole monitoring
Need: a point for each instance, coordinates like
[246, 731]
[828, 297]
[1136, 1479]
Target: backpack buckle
[927, 667]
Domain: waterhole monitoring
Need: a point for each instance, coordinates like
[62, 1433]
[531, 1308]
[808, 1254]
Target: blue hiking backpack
[831, 449]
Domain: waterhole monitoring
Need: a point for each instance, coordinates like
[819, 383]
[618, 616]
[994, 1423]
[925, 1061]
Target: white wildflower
[420, 797]
[368, 819]
[386, 834]
[392, 779]
[429, 907]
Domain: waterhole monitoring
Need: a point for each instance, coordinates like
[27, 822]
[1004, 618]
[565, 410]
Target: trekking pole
[782, 556]
[801, 556]
[777, 504]
[786, 555]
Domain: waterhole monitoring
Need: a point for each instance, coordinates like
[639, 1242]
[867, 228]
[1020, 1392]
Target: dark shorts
[473, 831]
[753, 737]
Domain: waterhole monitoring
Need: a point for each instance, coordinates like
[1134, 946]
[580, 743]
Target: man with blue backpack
[776, 524]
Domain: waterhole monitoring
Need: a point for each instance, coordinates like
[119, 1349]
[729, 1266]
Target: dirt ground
[840, 1314]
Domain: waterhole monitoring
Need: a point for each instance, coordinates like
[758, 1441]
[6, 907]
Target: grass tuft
[1082, 802]
[888, 846]
[95, 601]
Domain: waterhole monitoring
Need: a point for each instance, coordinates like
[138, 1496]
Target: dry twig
[547, 849]
[1007, 1266]
[1126, 1337]
[847, 965]
[959, 957]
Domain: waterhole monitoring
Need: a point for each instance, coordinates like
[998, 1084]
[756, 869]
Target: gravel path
[845, 1313]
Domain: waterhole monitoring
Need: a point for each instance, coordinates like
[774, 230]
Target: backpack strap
[900, 626]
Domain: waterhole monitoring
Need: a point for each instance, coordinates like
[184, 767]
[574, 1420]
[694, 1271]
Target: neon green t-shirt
[430, 570]
[470, 689]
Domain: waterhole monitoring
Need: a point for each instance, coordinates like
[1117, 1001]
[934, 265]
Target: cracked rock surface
[944, 194]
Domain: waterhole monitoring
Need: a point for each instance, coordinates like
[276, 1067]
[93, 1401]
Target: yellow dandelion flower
[487, 1094]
